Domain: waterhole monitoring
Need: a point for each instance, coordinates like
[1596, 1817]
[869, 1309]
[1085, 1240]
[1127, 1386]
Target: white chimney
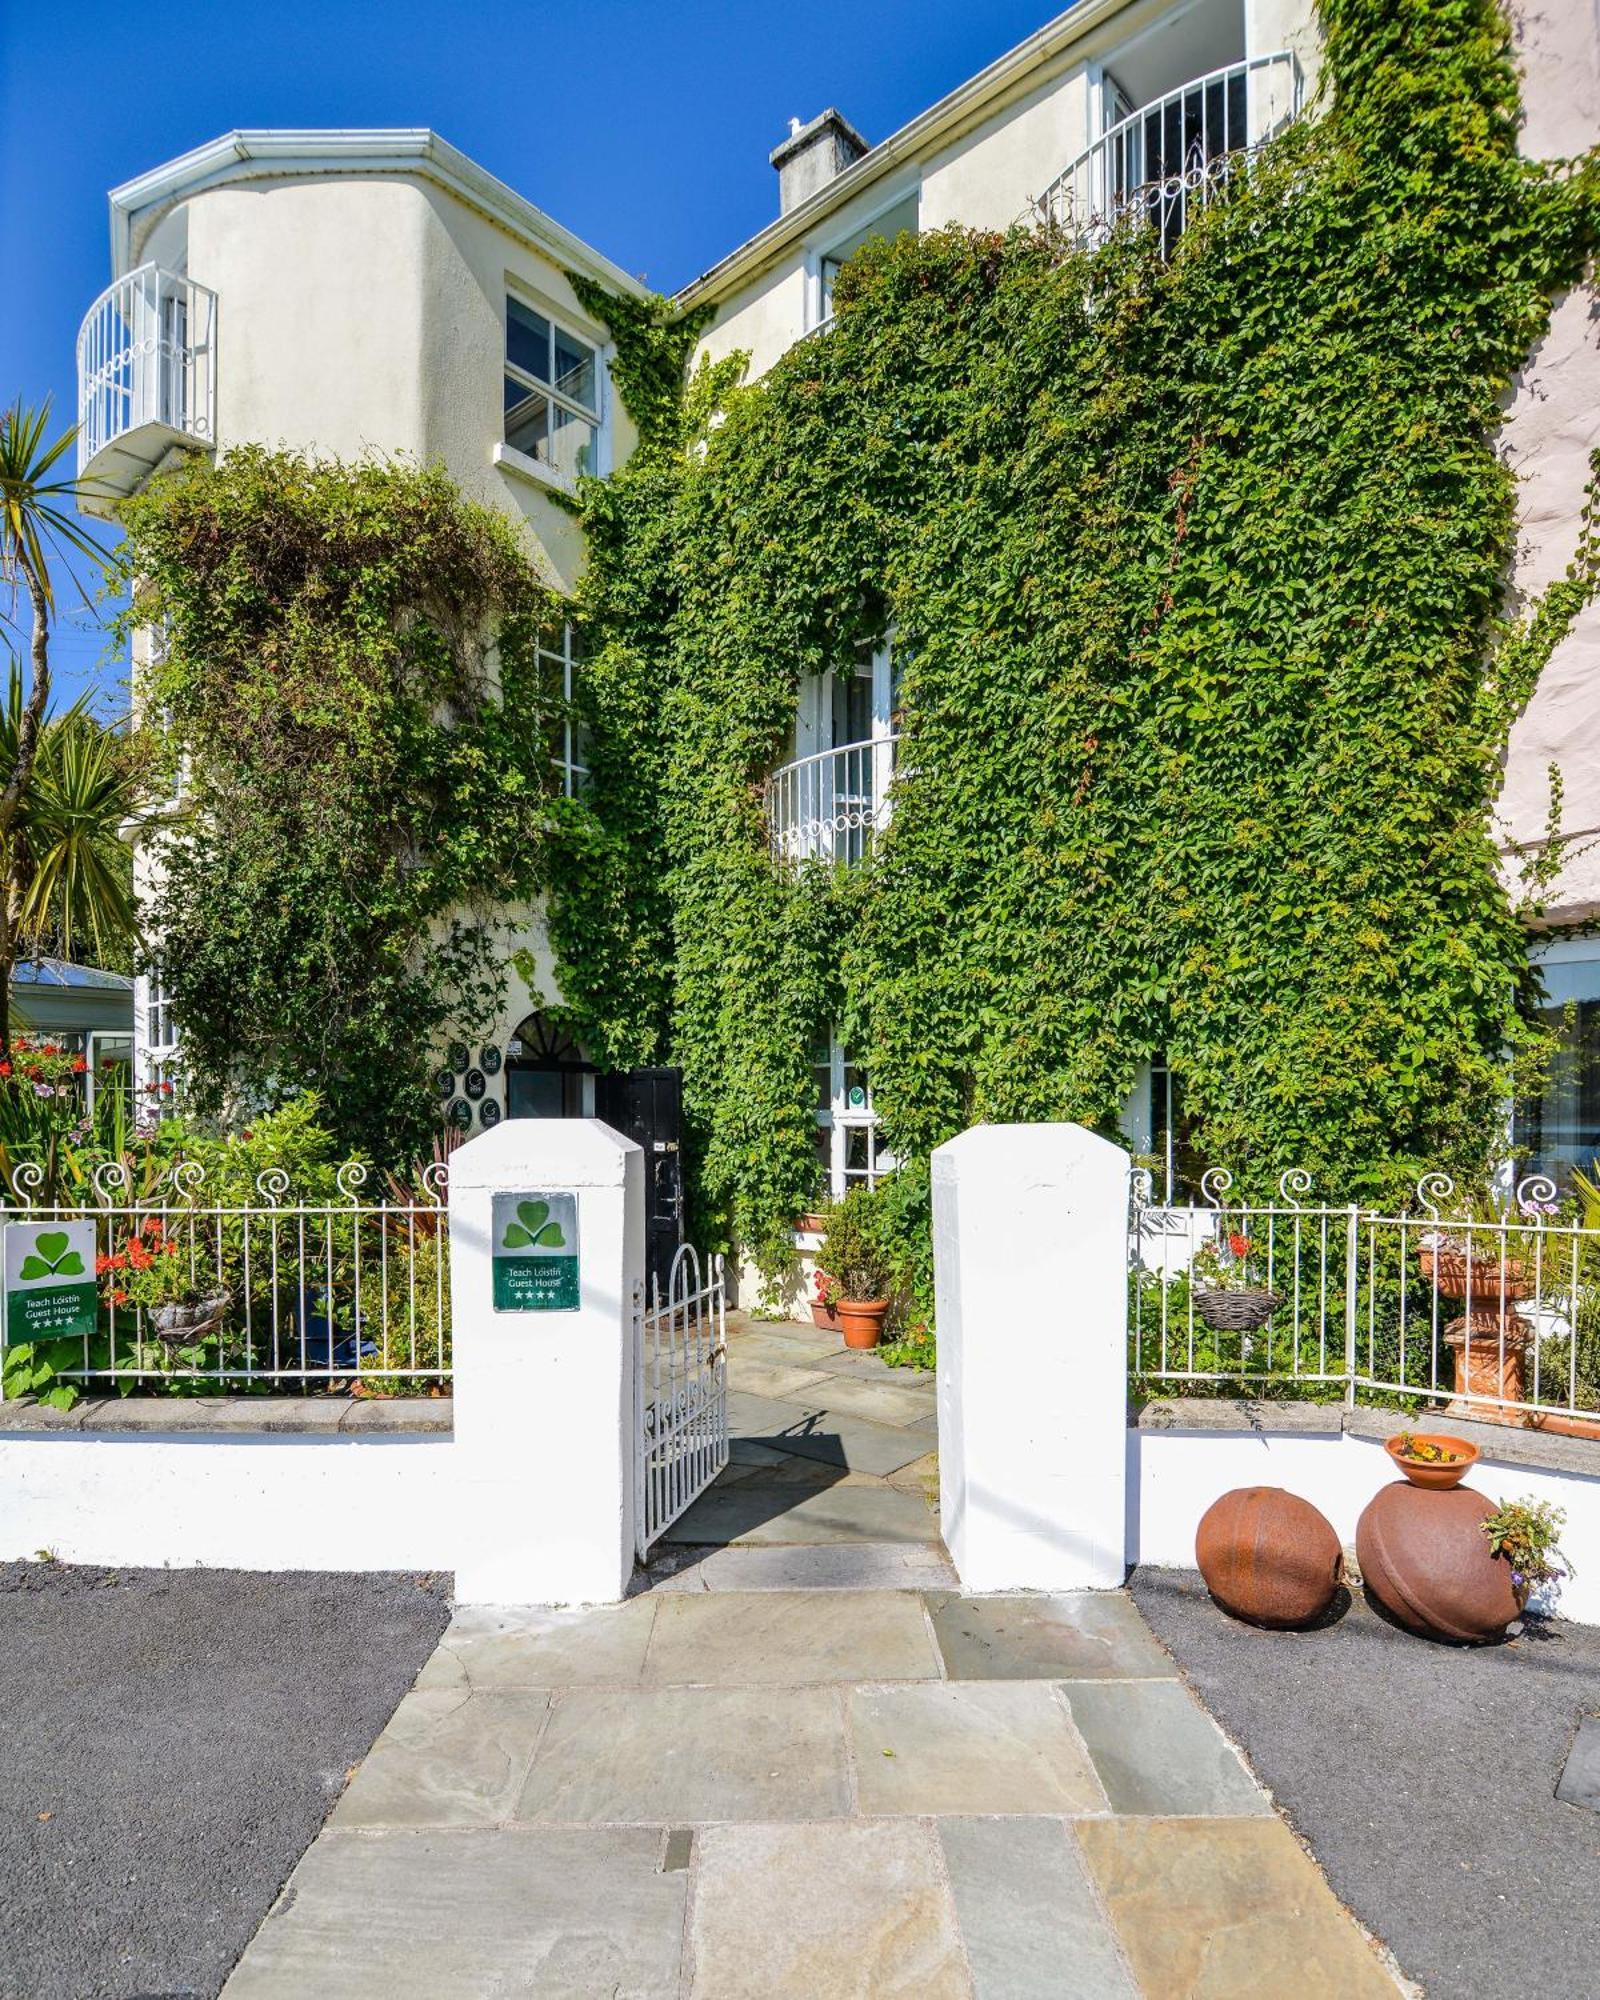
[812, 155]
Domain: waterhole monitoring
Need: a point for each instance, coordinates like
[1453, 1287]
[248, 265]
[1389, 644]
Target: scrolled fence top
[1534, 1199]
[112, 1186]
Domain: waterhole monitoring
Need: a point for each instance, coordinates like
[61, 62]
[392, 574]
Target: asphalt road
[1423, 1778]
[170, 1742]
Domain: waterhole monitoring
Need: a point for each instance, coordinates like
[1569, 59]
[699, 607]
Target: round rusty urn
[1268, 1556]
[1425, 1558]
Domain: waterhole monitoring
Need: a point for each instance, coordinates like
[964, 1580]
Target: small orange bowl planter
[1432, 1459]
[861, 1321]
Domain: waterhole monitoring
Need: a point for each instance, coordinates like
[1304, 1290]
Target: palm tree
[52, 834]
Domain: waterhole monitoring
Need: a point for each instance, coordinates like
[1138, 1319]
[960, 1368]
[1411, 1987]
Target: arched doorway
[547, 1074]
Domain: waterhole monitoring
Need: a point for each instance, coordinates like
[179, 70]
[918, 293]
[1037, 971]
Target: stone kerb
[1030, 1256]
[544, 1361]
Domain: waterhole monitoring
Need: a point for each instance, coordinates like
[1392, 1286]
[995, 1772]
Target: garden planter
[185, 1325]
[1424, 1557]
[1567, 1427]
[825, 1317]
[1437, 1475]
[1268, 1556]
[1481, 1368]
[861, 1321]
[1240, 1311]
[1494, 1283]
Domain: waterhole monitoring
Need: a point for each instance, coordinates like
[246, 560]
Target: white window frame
[155, 1047]
[506, 454]
[839, 1120]
[574, 775]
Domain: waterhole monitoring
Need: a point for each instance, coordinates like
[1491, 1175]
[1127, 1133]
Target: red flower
[166, 1090]
[79, 1066]
[152, 1225]
[1239, 1245]
[138, 1256]
[5, 1069]
[119, 1298]
[170, 1247]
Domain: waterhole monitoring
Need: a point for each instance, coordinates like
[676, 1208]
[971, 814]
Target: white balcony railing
[1164, 161]
[827, 807]
[146, 375]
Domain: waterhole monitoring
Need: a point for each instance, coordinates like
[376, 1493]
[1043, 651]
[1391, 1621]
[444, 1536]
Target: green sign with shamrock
[535, 1253]
[49, 1275]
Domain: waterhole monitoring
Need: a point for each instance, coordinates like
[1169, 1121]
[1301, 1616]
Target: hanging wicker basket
[186, 1325]
[1239, 1311]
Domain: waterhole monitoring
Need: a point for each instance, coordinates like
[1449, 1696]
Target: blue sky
[643, 125]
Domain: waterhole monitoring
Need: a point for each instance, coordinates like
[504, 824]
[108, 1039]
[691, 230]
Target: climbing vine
[1194, 570]
[348, 687]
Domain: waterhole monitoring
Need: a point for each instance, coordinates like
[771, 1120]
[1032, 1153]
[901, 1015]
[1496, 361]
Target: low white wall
[264, 1502]
[1173, 1477]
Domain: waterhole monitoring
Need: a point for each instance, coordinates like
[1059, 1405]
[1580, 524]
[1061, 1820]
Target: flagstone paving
[828, 1445]
[817, 1793]
[799, 1761]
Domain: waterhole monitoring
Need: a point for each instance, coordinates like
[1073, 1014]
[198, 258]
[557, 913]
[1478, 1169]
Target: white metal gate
[682, 1394]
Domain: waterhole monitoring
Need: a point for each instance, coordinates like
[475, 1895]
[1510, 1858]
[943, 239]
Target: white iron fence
[682, 1394]
[147, 355]
[196, 1295]
[827, 807]
[1164, 162]
[1491, 1310]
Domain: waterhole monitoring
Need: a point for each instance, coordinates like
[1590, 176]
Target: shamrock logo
[534, 1227]
[50, 1257]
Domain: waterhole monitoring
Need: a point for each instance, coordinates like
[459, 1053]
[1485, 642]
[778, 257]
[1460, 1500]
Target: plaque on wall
[475, 1083]
[460, 1055]
[460, 1114]
[490, 1060]
[489, 1112]
[444, 1082]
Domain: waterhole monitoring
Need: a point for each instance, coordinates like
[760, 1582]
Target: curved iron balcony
[1165, 161]
[827, 807]
[146, 380]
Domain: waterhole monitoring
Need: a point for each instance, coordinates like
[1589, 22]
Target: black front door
[647, 1105]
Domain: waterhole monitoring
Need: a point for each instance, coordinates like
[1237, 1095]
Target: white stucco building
[353, 291]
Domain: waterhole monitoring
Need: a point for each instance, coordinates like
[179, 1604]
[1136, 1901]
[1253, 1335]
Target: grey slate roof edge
[236, 1416]
[1500, 1444]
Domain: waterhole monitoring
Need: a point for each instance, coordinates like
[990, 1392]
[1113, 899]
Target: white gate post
[543, 1359]
[1030, 1232]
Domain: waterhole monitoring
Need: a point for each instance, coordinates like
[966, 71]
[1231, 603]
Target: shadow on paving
[1423, 1777]
[170, 1743]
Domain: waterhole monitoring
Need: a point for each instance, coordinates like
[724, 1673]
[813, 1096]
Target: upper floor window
[552, 392]
[888, 224]
[558, 674]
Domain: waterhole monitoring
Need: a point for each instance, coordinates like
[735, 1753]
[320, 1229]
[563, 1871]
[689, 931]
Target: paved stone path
[748, 1781]
[829, 1447]
[810, 1793]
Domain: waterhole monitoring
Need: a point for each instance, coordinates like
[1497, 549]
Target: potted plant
[1432, 1459]
[824, 1301]
[854, 1260]
[1489, 1268]
[1526, 1534]
[1225, 1296]
[185, 1306]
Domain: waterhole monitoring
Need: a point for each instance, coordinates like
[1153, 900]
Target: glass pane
[858, 1152]
[528, 420]
[575, 369]
[571, 449]
[527, 340]
[824, 1163]
[857, 1097]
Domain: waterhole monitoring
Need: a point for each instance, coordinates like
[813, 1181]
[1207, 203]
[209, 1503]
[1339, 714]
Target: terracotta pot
[825, 1317]
[1492, 1282]
[1436, 1477]
[862, 1321]
[1480, 1370]
[1425, 1558]
[1567, 1427]
[1268, 1556]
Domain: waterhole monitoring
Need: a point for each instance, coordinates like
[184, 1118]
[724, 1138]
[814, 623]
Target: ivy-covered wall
[348, 687]
[1194, 571]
